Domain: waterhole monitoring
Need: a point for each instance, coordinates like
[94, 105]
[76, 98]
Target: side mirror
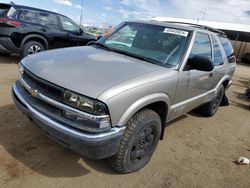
[201, 63]
[80, 31]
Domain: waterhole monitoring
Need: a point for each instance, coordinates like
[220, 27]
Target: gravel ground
[195, 152]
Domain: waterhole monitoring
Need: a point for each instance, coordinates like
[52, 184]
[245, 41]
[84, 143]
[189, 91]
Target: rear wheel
[32, 47]
[91, 42]
[138, 142]
[209, 109]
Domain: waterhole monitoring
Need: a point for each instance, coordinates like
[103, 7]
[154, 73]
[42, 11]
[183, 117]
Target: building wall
[240, 50]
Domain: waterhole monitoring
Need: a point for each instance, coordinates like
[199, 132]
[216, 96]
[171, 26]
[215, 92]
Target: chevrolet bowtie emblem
[33, 92]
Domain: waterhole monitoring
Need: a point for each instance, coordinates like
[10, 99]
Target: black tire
[32, 47]
[138, 142]
[209, 109]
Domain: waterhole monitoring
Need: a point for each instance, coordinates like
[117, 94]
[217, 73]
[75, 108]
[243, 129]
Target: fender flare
[225, 78]
[35, 36]
[141, 103]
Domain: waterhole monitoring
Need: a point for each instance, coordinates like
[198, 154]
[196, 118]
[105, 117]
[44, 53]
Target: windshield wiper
[144, 58]
[103, 46]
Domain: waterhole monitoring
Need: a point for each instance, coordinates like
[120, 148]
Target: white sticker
[176, 32]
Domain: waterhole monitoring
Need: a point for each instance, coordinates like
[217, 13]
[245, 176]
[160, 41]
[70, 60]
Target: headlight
[21, 69]
[84, 103]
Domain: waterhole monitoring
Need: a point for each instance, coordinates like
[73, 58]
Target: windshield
[161, 44]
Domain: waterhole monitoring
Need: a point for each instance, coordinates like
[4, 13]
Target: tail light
[10, 22]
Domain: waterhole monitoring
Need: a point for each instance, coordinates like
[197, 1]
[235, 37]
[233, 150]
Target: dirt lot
[196, 151]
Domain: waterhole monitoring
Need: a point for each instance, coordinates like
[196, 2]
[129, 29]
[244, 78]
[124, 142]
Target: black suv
[27, 30]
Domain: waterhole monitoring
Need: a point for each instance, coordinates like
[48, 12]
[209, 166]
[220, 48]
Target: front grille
[44, 87]
[54, 92]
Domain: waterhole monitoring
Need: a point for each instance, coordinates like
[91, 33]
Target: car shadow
[241, 100]
[25, 143]
[243, 64]
[184, 116]
[13, 59]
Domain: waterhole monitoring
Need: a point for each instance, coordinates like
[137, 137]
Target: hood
[86, 70]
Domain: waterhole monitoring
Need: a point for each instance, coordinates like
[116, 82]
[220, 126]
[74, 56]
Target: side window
[202, 46]
[29, 16]
[37, 17]
[227, 46]
[48, 19]
[13, 13]
[68, 25]
[218, 60]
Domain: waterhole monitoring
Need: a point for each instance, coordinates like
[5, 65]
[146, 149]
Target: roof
[233, 31]
[177, 26]
[181, 26]
[31, 8]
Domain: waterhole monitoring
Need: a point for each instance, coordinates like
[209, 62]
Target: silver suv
[113, 99]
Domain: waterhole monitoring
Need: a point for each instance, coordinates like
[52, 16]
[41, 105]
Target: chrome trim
[62, 106]
[53, 124]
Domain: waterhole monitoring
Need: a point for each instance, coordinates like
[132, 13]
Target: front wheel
[32, 47]
[138, 142]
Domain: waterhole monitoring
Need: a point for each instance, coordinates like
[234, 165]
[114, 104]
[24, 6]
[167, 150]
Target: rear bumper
[91, 145]
[7, 46]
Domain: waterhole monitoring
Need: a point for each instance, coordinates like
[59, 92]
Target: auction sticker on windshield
[176, 32]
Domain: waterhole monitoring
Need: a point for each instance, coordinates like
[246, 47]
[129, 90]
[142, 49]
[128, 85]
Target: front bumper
[7, 46]
[91, 145]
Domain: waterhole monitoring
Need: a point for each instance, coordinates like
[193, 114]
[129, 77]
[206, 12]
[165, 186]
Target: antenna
[12, 3]
[81, 14]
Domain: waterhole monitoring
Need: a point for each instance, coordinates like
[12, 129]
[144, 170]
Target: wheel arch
[224, 81]
[158, 102]
[35, 37]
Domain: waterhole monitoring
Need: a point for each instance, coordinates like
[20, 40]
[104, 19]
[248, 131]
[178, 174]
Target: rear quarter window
[227, 46]
[4, 9]
[37, 17]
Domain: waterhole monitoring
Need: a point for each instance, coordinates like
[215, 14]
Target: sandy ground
[195, 152]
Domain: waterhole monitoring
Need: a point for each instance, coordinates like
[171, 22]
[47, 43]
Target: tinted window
[218, 60]
[37, 17]
[68, 25]
[202, 46]
[227, 46]
[4, 10]
[49, 19]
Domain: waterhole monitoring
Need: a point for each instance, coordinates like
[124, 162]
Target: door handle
[43, 29]
[211, 74]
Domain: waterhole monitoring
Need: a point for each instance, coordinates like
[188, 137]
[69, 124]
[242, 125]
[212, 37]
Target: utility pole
[81, 14]
[204, 14]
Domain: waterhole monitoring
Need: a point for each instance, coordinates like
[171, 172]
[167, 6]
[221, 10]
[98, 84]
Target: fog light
[86, 123]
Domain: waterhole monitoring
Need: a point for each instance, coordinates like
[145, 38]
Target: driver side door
[194, 85]
[71, 32]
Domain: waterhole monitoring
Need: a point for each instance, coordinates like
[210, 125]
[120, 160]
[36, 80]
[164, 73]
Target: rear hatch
[8, 19]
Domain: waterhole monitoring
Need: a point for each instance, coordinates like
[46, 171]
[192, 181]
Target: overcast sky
[100, 12]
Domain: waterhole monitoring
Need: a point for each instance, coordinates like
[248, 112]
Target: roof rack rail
[200, 26]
